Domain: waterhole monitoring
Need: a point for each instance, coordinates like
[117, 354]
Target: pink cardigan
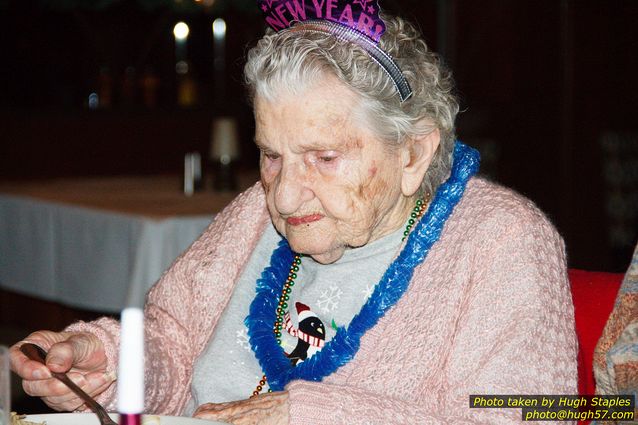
[488, 312]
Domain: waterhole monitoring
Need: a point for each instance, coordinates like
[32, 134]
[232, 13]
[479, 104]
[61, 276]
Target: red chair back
[593, 294]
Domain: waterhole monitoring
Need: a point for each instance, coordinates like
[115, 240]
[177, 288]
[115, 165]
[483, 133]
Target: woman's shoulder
[485, 200]
[488, 210]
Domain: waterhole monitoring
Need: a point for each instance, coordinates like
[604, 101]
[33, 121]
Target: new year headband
[354, 21]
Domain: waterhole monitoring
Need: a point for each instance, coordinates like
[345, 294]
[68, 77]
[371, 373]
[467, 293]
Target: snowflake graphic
[367, 292]
[286, 346]
[329, 299]
[242, 339]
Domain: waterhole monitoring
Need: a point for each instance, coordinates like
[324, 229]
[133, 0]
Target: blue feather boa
[345, 344]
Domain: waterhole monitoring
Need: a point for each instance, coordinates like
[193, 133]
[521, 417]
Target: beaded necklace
[344, 345]
[282, 307]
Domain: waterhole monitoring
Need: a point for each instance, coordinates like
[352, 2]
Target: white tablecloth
[87, 258]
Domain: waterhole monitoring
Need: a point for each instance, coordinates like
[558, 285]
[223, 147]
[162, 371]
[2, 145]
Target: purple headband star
[360, 15]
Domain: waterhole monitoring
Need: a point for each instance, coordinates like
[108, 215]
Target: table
[98, 243]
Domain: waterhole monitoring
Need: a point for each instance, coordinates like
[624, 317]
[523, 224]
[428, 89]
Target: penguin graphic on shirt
[310, 333]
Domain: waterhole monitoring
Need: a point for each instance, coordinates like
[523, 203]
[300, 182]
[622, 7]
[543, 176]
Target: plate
[91, 419]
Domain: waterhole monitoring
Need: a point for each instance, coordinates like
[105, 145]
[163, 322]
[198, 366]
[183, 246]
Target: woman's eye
[272, 156]
[326, 157]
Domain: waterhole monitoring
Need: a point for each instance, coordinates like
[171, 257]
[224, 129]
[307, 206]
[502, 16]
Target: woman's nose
[292, 189]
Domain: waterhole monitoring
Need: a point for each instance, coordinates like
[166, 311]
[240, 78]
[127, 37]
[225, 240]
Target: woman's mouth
[297, 221]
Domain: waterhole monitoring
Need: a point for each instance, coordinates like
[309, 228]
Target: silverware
[36, 353]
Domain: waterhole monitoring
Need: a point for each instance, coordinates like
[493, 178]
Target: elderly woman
[368, 278]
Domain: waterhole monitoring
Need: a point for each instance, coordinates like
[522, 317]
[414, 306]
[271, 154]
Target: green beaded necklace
[282, 307]
[415, 215]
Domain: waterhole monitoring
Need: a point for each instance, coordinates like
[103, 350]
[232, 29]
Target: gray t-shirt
[324, 296]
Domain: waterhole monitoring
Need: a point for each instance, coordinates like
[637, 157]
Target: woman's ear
[417, 157]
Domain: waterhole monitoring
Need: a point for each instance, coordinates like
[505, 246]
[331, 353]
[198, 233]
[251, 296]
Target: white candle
[130, 379]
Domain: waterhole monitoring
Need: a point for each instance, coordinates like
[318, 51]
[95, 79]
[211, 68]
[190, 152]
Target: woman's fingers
[265, 409]
[59, 397]
[80, 355]
[30, 369]
[66, 351]
[26, 368]
[68, 406]
[209, 407]
[50, 387]
[99, 382]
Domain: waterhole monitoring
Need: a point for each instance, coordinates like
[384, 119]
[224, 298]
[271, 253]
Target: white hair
[289, 61]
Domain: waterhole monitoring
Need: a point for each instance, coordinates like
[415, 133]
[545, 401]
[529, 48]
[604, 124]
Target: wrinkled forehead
[326, 110]
[325, 114]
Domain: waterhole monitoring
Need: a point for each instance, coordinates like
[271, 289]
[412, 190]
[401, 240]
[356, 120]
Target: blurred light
[219, 28]
[94, 101]
[180, 31]
[181, 67]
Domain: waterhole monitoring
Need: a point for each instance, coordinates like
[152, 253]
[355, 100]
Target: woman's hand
[80, 355]
[265, 409]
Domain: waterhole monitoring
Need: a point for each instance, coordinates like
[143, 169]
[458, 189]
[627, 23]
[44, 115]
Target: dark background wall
[543, 84]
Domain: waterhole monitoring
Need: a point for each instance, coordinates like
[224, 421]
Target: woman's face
[329, 183]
